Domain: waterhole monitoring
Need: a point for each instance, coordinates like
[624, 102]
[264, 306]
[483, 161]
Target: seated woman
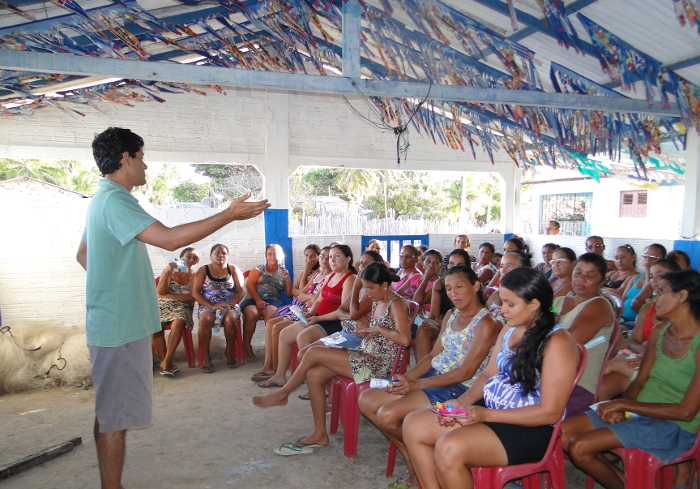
[510, 261]
[587, 314]
[432, 261]
[304, 298]
[375, 357]
[264, 288]
[428, 330]
[596, 244]
[639, 288]
[460, 354]
[324, 313]
[626, 263]
[623, 368]
[547, 251]
[217, 288]
[681, 257]
[563, 263]
[175, 303]
[409, 275]
[664, 408]
[483, 267]
[512, 244]
[512, 405]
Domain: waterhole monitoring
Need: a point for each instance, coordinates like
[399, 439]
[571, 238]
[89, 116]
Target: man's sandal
[288, 449]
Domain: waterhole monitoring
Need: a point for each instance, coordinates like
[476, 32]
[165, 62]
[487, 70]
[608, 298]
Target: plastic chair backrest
[616, 302]
[413, 309]
[611, 345]
[557, 427]
[489, 290]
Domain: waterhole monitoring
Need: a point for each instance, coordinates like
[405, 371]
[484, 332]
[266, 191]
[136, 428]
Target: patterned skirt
[171, 310]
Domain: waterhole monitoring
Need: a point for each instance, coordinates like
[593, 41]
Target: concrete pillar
[510, 199]
[690, 223]
[276, 166]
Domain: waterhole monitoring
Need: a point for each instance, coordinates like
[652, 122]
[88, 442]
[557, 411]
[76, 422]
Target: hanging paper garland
[687, 11]
[626, 64]
[688, 97]
[555, 13]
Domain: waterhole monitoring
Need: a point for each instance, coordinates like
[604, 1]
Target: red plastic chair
[617, 304]
[489, 290]
[552, 465]
[236, 348]
[611, 345]
[345, 393]
[644, 471]
[294, 363]
[186, 339]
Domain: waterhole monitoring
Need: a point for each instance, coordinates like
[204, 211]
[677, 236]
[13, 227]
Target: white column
[510, 199]
[690, 223]
[276, 167]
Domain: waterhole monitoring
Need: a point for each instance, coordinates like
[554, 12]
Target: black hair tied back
[529, 284]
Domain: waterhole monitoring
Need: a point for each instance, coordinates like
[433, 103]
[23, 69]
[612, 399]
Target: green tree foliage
[190, 192]
[73, 175]
[401, 194]
[232, 181]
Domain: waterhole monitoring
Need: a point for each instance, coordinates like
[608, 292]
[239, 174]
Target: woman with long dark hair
[512, 405]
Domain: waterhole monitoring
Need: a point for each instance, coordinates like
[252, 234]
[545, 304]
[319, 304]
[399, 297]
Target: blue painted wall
[692, 248]
[277, 231]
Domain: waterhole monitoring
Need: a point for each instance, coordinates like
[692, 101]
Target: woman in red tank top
[324, 315]
[622, 370]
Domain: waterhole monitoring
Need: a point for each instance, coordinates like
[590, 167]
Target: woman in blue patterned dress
[512, 405]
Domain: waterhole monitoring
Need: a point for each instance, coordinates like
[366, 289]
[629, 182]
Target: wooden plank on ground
[37, 458]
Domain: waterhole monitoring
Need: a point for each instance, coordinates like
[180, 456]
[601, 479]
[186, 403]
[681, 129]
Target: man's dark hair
[109, 146]
[556, 224]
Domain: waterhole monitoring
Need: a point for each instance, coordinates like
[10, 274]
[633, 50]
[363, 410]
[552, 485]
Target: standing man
[122, 308]
[552, 228]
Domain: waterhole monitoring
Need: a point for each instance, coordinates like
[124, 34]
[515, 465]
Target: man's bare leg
[111, 448]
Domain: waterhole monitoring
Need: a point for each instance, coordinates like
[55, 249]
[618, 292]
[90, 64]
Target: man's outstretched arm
[157, 234]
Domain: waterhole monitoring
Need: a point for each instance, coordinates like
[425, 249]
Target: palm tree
[84, 181]
[357, 182]
[47, 171]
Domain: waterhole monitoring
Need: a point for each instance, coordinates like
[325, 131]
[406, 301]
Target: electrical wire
[402, 143]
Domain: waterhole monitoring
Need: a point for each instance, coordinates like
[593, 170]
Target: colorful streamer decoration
[625, 64]
[687, 11]
[555, 14]
[437, 43]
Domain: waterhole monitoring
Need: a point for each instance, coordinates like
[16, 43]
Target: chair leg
[391, 459]
[335, 406]
[351, 424]
[189, 346]
[237, 348]
[200, 354]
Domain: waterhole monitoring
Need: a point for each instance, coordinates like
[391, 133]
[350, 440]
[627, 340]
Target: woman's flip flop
[288, 449]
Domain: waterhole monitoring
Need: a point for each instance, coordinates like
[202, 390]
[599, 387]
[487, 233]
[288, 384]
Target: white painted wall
[664, 208]
[39, 277]
[578, 244]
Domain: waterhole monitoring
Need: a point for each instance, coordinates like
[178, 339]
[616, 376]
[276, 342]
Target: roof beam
[686, 63]
[233, 77]
[538, 24]
[351, 39]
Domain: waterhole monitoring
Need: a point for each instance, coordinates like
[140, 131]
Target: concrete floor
[207, 435]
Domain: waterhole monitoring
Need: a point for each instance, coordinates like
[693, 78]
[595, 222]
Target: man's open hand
[240, 210]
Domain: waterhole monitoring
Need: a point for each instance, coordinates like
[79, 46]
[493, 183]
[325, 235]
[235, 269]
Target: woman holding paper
[323, 317]
[659, 412]
[511, 405]
[460, 354]
[587, 314]
[374, 358]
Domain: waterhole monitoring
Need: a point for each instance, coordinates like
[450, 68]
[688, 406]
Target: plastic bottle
[217, 321]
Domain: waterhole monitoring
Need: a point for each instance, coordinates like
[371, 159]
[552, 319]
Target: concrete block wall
[578, 244]
[39, 277]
